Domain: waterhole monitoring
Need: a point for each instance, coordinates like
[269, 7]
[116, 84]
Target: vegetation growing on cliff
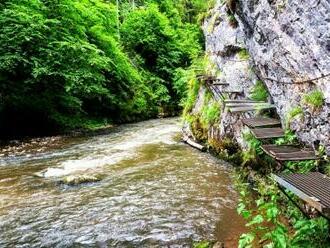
[64, 63]
[315, 99]
[244, 54]
[294, 113]
[259, 92]
[273, 219]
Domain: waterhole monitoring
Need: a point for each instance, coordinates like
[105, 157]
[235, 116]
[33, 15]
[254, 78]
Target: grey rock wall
[224, 40]
[288, 42]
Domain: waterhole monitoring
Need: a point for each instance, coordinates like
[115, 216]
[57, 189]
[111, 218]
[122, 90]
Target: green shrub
[211, 114]
[327, 169]
[194, 86]
[259, 92]
[62, 61]
[315, 99]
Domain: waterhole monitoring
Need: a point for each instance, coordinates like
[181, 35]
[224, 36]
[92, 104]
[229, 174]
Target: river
[155, 192]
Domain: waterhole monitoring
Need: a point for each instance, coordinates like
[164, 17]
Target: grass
[314, 99]
[259, 92]
[294, 113]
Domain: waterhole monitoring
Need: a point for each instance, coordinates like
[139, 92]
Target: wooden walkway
[268, 133]
[261, 122]
[213, 84]
[313, 188]
[250, 108]
[246, 105]
[289, 153]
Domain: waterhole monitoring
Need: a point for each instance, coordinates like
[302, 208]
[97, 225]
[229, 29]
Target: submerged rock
[79, 179]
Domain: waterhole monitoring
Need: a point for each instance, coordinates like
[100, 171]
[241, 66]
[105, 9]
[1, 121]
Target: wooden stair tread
[261, 122]
[285, 148]
[289, 153]
[250, 108]
[267, 133]
[312, 187]
[296, 156]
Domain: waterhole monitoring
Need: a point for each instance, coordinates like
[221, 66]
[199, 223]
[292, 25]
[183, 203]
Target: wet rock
[74, 180]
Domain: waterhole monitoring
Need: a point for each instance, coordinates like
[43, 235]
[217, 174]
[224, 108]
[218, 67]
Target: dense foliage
[74, 63]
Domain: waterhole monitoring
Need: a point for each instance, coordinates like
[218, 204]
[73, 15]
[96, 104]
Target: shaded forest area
[77, 64]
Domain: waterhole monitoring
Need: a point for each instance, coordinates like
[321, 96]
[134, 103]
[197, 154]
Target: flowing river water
[155, 192]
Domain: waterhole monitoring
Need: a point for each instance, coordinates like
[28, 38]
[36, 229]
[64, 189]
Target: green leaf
[256, 220]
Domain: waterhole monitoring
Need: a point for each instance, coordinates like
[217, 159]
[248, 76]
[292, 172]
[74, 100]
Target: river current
[154, 191]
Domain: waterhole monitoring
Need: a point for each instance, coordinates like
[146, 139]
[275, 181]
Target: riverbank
[41, 144]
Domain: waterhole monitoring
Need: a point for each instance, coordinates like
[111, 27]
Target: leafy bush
[63, 62]
[265, 216]
[211, 114]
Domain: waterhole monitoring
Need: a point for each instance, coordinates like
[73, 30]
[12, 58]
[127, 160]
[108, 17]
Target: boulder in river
[74, 180]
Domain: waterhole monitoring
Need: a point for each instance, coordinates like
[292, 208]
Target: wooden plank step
[296, 156]
[312, 187]
[261, 122]
[285, 149]
[250, 108]
[289, 153]
[267, 133]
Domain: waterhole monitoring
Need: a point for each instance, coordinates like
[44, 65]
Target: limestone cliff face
[289, 46]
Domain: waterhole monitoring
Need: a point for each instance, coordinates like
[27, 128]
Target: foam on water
[107, 151]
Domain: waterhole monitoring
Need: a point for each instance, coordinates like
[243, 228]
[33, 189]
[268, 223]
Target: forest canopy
[67, 64]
